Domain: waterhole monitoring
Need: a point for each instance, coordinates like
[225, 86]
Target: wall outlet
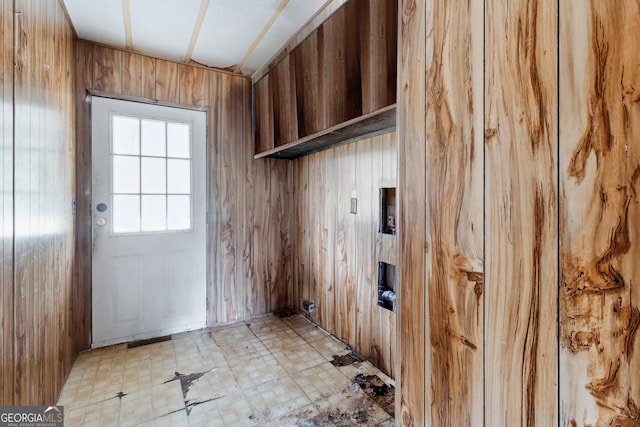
[308, 306]
[354, 205]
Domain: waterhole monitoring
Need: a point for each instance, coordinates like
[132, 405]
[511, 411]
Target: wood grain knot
[600, 388]
[490, 133]
[464, 340]
[581, 341]
[623, 421]
[407, 420]
[477, 278]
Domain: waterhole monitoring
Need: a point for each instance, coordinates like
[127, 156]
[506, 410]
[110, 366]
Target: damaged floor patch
[349, 408]
[186, 381]
[346, 360]
[379, 391]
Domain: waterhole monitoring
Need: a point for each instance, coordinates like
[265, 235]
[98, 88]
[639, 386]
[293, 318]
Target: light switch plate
[354, 205]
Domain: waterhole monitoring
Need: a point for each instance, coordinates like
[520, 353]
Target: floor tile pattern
[267, 371]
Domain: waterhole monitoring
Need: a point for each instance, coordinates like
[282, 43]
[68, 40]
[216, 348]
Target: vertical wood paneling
[225, 303]
[337, 252]
[412, 299]
[317, 260]
[366, 229]
[263, 115]
[310, 87]
[599, 213]
[43, 188]
[377, 172]
[454, 268]
[82, 292]
[259, 299]
[327, 293]
[378, 53]
[301, 242]
[521, 213]
[132, 74]
[216, 191]
[6, 205]
[283, 89]
[148, 77]
[387, 250]
[167, 82]
[107, 69]
[341, 66]
[193, 86]
[239, 154]
[279, 237]
[345, 242]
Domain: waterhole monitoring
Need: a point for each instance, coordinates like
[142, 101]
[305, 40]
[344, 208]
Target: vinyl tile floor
[268, 371]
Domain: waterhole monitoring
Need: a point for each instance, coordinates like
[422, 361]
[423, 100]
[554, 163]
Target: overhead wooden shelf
[337, 86]
[375, 123]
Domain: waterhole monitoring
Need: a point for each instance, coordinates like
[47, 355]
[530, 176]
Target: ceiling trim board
[142, 100]
[126, 14]
[328, 9]
[190, 64]
[264, 31]
[204, 6]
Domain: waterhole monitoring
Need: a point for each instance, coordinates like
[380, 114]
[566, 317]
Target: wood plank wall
[521, 195]
[6, 204]
[412, 322]
[599, 213]
[337, 253]
[248, 236]
[36, 204]
[556, 310]
[440, 220]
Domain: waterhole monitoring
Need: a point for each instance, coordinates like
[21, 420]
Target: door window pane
[154, 175]
[151, 175]
[178, 140]
[179, 213]
[126, 135]
[126, 174]
[179, 176]
[154, 141]
[126, 214]
[154, 213]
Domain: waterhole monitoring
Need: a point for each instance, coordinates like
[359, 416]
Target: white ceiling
[241, 35]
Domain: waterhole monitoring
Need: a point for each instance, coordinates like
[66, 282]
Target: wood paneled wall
[412, 301]
[441, 275]
[6, 204]
[37, 185]
[337, 253]
[599, 213]
[526, 249]
[249, 220]
[521, 211]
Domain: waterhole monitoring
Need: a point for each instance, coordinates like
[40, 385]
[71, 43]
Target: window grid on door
[151, 181]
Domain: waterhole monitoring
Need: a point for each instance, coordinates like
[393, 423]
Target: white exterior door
[148, 220]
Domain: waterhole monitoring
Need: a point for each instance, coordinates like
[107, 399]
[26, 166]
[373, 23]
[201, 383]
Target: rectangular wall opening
[387, 211]
[387, 286]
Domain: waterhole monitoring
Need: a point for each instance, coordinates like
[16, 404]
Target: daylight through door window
[150, 175]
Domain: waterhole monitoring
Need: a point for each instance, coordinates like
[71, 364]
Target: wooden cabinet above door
[337, 86]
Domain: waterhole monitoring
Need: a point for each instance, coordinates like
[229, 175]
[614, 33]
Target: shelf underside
[366, 126]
